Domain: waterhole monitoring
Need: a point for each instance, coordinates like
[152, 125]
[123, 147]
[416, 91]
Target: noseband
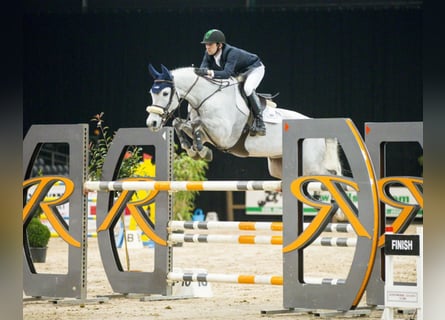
[163, 110]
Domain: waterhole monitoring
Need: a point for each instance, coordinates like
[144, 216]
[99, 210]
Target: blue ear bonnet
[158, 86]
[162, 80]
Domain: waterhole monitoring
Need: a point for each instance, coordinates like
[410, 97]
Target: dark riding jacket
[234, 61]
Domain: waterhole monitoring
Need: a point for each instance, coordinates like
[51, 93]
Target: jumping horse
[218, 114]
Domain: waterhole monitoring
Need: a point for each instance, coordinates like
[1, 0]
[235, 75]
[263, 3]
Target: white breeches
[253, 79]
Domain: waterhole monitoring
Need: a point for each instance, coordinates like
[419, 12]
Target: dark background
[352, 59]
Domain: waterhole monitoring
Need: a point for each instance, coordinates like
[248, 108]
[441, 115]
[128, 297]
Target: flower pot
[38, 254]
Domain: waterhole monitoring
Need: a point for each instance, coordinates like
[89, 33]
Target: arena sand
[229, 301]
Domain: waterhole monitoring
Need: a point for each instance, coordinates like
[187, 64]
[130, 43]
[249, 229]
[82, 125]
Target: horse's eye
[165, 93]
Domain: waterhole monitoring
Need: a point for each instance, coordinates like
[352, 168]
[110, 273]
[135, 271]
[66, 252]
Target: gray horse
[218, 114]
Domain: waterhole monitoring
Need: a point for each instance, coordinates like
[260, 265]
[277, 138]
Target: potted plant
[38, 237]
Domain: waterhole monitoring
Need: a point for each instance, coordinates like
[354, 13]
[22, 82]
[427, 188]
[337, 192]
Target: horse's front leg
[203, 151]
[178, 124]
[182, 129]
[196, 125]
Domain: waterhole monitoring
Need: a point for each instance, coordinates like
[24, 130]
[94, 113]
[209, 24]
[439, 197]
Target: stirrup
[255, 130]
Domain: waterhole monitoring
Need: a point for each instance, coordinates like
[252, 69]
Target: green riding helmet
[214, 36]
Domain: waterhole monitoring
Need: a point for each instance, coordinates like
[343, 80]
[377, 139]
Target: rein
[221, 85]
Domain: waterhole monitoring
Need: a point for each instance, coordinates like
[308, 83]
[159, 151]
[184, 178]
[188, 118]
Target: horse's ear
[166, 72]
[153, 71]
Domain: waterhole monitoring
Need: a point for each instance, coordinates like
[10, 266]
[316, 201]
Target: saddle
[266, 99]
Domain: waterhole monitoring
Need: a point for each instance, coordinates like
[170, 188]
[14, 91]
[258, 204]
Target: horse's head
[164, 97]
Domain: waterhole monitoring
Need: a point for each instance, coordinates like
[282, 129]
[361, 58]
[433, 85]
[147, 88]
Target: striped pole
[222, 238]
[225, 278]
[224, 225]
[267, 185]
[243, 278]
[254, 239]
[221, 185]
[335, 242]
[175, 225]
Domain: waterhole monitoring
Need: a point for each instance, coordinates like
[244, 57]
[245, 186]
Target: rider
[222, 61]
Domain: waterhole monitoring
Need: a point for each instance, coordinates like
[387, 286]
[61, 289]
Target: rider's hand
[202, 71]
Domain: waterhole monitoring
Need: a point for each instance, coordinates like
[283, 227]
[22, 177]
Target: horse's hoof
[186, 146]
[209, 156]
[192, 153]
[255, 132]
[206, 154]
[339, 216]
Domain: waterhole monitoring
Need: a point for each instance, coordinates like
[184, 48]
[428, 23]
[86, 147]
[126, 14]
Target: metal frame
[73, 284]
[377, 134]
[342, 296]
[126, 281]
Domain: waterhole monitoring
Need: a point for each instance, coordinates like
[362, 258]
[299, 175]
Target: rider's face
[212, 48]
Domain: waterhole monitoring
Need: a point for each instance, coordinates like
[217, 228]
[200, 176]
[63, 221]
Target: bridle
[163, 111]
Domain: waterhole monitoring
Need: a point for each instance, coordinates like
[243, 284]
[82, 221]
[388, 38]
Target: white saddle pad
[272, 115]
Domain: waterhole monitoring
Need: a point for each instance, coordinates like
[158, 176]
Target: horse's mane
[183, 69]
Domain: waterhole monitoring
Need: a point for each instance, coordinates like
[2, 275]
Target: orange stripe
[246, 239]
[276, 240]
[276, 280]
[246, 279]
[162, 186]
[195, 186]
[246, 226]
[276, 226]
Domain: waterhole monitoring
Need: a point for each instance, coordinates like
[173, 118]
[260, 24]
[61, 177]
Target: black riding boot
[258, 127]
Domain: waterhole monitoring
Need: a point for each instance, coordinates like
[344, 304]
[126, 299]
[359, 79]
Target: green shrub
[99, 147]
[186, 169]
[38, 234]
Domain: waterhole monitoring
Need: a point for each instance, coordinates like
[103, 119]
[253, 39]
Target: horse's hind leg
[333, 166]
[332, 158]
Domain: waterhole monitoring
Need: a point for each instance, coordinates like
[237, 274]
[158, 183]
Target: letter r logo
[408, 210]
[334, 185]
[43, 185]
[136, 210]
